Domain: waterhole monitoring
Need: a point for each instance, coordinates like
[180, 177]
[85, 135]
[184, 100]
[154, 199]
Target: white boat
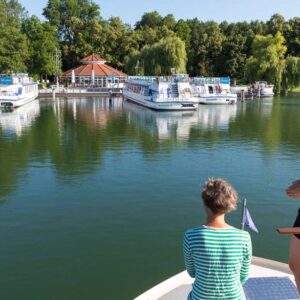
[267, 277]
[265, 89]
[161, 93]
[17, 90]
[213, 90]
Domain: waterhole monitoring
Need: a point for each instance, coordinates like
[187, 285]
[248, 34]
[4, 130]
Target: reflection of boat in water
[268, 280]
[15, 120]
[213, 90]
[164, 124]
[216, 116]
[17, 90]
[160, 93]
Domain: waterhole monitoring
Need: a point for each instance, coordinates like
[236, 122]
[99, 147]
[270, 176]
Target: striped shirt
[219, 259]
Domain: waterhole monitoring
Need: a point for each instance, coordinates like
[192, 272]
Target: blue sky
[130, 11]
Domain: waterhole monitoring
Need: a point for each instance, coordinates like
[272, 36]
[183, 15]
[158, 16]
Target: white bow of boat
[179, 286]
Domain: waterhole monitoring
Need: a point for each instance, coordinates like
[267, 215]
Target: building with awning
[94, 72]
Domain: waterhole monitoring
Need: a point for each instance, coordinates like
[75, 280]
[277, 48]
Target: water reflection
[14, 121]
[163, 125]
[216, 117]
[73, 135]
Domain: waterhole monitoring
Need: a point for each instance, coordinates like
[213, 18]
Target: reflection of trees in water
[75, 142]
[272, 124]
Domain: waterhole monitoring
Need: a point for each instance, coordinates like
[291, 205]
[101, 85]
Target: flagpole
[243, 213]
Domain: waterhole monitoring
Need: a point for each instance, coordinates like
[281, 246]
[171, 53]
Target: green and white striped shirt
[219, 259]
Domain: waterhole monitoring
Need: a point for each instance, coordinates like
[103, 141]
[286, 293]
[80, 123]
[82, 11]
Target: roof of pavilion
[96, 63]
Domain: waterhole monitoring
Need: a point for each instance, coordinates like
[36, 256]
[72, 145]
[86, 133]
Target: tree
[13, 44]
[60, 14]
[42, 42]
[150, 19]
[291, 75]
[183, 31]
[206, 45]
[267, 61]
[292, 36]
[276, 24]
[231, 61]
[169, 21]
[159, 58]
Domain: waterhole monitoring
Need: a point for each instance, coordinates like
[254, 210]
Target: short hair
[219, 196]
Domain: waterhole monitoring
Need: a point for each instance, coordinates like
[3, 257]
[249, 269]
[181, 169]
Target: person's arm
[188, 259]
[247, 256]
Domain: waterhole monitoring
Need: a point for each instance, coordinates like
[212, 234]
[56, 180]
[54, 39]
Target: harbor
[65, 162]
[149, 151]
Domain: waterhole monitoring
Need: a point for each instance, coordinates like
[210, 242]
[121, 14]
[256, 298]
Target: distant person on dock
[216, 254]
[293, 191]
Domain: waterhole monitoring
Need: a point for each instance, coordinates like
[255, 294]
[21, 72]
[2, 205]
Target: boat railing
[210, 80]
[175, 78]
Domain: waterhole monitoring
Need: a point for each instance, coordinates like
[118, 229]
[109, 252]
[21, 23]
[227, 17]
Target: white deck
[178, 286]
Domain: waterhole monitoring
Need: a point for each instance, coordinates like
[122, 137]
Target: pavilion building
[94, 72]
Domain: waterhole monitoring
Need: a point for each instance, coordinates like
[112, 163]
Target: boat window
[210, 89]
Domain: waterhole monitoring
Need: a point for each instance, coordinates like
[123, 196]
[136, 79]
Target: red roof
[91, 63]
[93, 58]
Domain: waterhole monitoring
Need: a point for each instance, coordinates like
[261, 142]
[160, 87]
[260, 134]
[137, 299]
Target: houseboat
[161, 93]
[209, 90]
[17, 90]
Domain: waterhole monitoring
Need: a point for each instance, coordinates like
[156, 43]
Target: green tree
[231, 61]
[276, 24]
[267, 61]
[159, 58]
[183, 31]
[60, 14]
[206, 45]
[169, 21]
[291, 75]
[292, 36]
[150, 19]
[13, 44]
[42, 42]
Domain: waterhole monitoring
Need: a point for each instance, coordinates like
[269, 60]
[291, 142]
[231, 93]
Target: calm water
[95, 198]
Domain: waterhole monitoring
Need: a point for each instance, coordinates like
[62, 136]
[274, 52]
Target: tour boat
[213, 90]
[268, 280]
[161, 93]
[17, 90]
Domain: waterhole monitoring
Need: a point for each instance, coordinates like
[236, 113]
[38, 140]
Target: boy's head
[219, 196]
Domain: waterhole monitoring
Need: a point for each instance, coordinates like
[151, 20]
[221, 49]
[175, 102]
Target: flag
[247, 220]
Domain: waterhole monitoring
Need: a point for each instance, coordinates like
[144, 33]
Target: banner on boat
[5, 80]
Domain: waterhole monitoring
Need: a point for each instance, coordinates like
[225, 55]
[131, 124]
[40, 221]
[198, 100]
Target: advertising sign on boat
[6, 80]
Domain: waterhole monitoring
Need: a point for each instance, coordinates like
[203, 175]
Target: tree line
[155, 45]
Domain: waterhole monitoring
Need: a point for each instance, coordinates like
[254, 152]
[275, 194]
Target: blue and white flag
[247, 220]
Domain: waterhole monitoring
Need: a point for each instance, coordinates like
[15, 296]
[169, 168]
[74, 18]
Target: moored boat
[17, 90]
[161, 93]
[266, 276]
[213, 90]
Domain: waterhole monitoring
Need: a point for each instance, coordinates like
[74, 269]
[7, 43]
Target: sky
[130, 11]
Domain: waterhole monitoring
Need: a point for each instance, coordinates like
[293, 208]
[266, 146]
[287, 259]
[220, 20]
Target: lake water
[95, 198]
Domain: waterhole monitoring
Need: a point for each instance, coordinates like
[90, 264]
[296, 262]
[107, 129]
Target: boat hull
[172, 105]
[179, 286]
[218, 99]
[13, 102]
